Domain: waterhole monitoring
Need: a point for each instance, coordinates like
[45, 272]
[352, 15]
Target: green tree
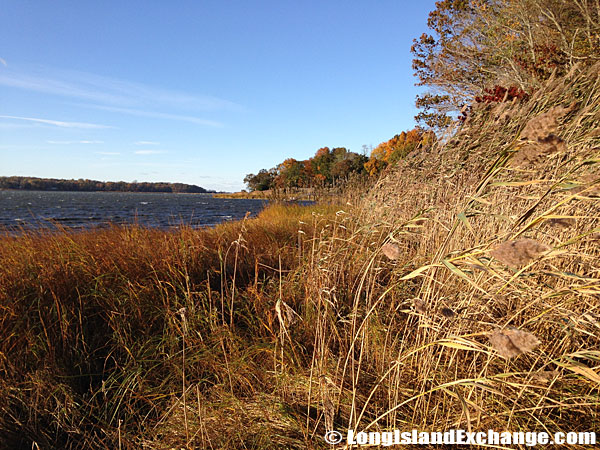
[262, 181]
[290, 173]
[321, 165]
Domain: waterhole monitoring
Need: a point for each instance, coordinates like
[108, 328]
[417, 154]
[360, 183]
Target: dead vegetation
[513, 342]
[511, 207]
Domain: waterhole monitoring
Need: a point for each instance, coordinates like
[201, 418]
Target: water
[35, 209]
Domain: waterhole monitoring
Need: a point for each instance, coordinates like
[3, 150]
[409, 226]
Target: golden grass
[99, 328]
[505, 248]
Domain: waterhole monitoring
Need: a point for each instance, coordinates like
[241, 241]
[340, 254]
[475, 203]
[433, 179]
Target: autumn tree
[391, 151]
[290, 173]
[327, 167]
[473, 45]
[321, 165]
[448, 60]
[345, 163]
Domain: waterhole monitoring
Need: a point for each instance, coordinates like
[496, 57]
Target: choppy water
[35, 209]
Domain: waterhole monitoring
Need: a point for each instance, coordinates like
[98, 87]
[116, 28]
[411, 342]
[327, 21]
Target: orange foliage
[396, 148]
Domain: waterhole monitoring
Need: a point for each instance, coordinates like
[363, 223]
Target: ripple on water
[91, 209]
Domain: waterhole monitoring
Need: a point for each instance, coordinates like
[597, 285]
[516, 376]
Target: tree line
[52, 184]
[476, 51]
[329, 167]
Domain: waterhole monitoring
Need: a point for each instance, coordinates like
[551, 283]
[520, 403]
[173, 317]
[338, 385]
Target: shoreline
[110, 192]
[305, 195]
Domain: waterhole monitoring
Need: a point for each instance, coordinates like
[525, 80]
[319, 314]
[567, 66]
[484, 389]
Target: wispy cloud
[108, 153]
[3, 62]
[118, 96]
[158, 115]
[148, 152]
[74, 142]
[12, 125]
[146, 143]
[109, 91]
[57, 123]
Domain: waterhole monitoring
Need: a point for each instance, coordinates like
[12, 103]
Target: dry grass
[99, 328]
[505, 247]
[395, 311]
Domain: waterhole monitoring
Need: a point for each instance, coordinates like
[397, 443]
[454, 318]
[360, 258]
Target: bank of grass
[262, 195]
[265, 333]
[305, 194]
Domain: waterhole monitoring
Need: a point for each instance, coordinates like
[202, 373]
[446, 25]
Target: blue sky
[200, 92]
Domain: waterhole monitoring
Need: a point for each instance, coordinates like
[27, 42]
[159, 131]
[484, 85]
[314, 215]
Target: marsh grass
[106, 331]
[388, 310]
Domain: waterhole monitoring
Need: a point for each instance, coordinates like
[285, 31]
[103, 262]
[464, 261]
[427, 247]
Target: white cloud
[148, 152]
[3, 62]
[74, 142]
[11, 126]
[107, 90]
[108, 153]
[158, 115]
[146, 143]
[57, 123]
[119, 96]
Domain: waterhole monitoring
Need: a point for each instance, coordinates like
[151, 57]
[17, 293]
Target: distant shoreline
[18, 183]
[210, 193]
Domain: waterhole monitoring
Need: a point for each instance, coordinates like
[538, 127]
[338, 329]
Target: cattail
[420, 306]
[545, 376]
[536, 152]
[545, 124]
[540, 136]
[182, 313]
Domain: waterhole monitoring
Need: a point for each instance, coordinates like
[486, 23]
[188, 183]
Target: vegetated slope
[462, 292]
[499, 229]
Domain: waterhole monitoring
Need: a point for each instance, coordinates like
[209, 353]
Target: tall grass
[485, 243]
[95, 325]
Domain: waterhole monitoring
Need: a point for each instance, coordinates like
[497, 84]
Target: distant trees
[291, 173]
[52, 184]
[326, 168]
[329, 167]
[389, 152]
[262, 181]
[474, 45]
[482, 51]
